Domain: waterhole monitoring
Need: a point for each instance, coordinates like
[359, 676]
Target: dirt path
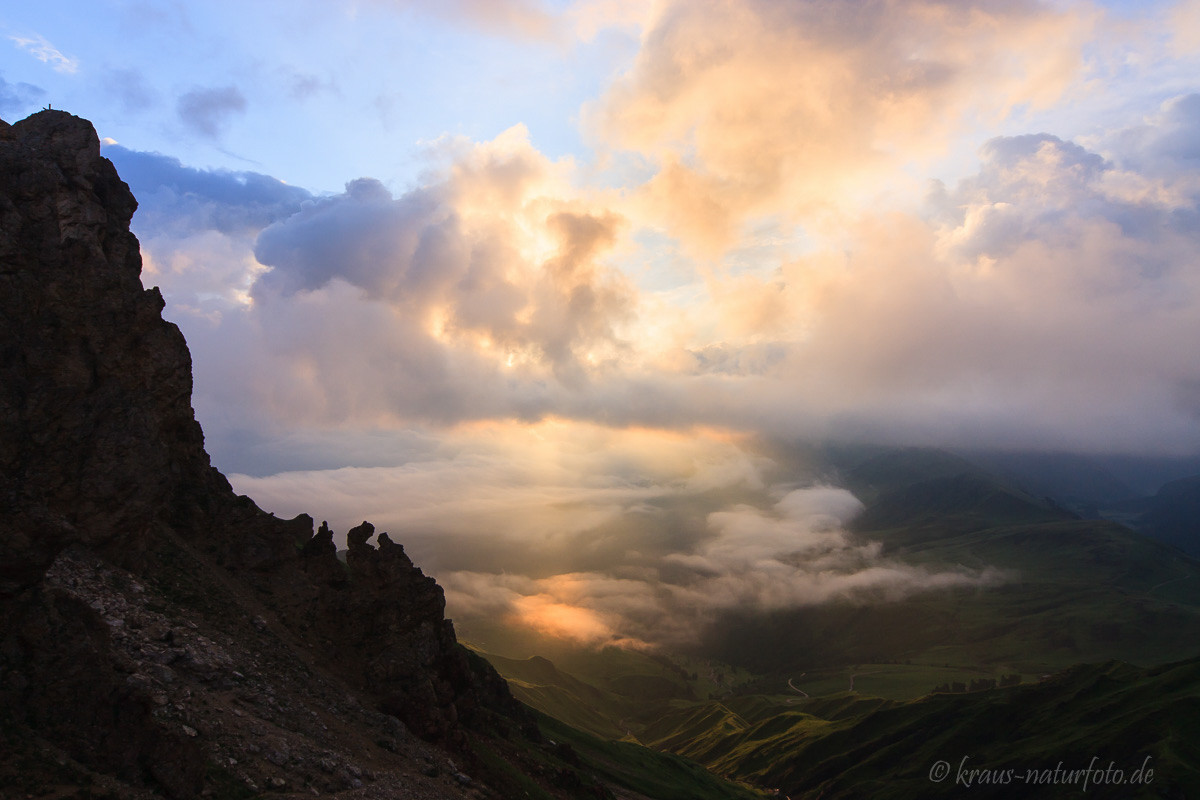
[1158, 586]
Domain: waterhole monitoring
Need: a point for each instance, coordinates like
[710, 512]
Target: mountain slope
[844, 704]
[155, 625]
[161, 636]
[1113, 713]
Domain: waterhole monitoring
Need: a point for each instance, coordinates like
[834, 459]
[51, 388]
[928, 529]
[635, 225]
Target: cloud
[1165, 142]
[1043, 303]
[586, 493]
[1040, 302]
[16, 99]
[589, 17]
[600, 536]
[755, 107]
[197, 230]
[553, 404]
[790, 555]
[180, 200]
[536, 20]
[43, 51]
[487, 259]
[1185, 27]
[206, 111]
[304, 86]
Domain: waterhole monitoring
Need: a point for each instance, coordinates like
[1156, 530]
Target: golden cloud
[754, 107]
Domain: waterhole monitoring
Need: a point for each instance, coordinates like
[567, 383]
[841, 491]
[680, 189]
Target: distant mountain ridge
[1158, 496]
[1171, 515]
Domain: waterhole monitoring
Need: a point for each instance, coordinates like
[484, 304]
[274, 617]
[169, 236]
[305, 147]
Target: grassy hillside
[1113, 713]
[1069, 590]
[838, 700]
[852, 745]
[539, 683]
[652, 774]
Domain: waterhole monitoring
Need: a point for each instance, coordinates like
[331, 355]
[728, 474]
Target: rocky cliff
[160, 635]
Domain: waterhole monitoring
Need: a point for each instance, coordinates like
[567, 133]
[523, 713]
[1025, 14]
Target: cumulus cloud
[1037, 302]
[488, 258]
[1165, 144]
[755, 107]
[1040, 302]
[177, 199]
[206, 111]
[197, 230]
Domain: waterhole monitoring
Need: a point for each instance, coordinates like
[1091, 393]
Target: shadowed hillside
[863, 699]
[162, 636]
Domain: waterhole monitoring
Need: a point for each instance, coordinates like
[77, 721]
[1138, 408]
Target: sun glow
[547, 616]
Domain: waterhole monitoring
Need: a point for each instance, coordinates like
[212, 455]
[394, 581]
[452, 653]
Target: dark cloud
[17, 100]
[197, 230]
[206, 111]
[180, 200]
[393, 249]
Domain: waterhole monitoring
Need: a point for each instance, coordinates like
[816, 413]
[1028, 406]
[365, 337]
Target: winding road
[796, 688]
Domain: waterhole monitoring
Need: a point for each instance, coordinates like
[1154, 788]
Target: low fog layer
[609, 538]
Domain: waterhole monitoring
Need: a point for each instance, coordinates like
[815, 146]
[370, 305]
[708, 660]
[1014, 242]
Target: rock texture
[160, 635]
[97, 436]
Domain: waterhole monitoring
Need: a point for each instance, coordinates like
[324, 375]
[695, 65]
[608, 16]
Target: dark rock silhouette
[158, 632]
[97, 437]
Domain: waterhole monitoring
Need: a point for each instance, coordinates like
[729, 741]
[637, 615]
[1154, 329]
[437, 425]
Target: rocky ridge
[160, 635]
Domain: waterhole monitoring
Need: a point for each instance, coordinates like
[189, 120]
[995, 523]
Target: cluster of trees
[977, 685]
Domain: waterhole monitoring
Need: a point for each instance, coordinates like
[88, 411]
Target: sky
[542, 288]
